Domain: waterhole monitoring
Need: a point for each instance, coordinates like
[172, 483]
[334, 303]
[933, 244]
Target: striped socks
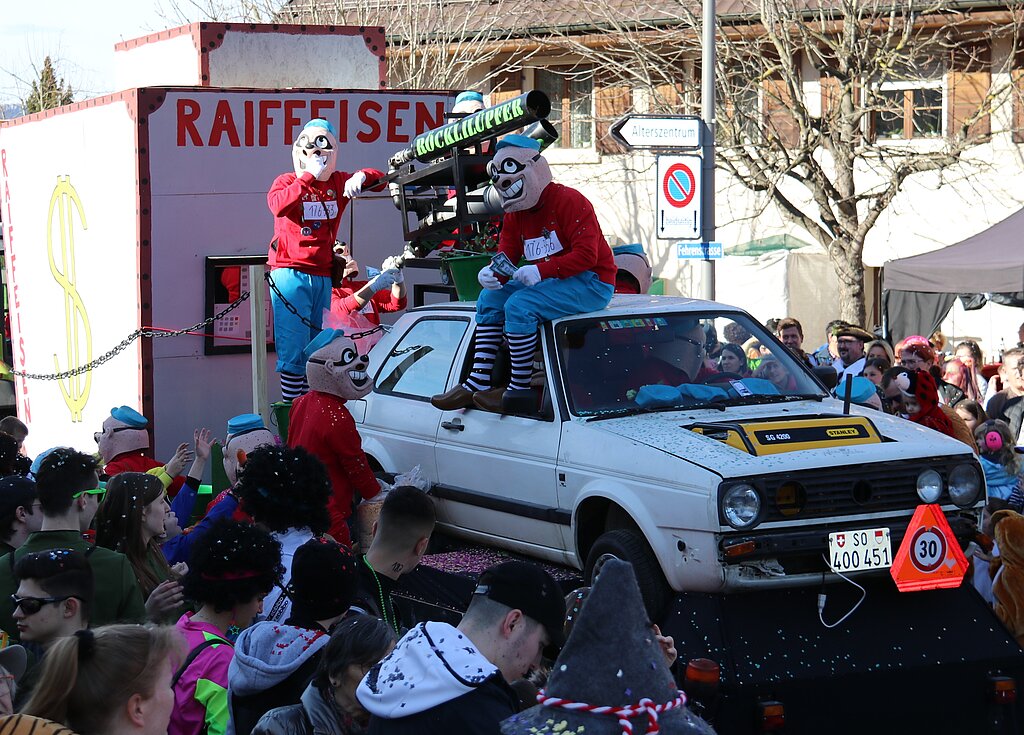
[293, 386]
[520, 349]
[488, 340]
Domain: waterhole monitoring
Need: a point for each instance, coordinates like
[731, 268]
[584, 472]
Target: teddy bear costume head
[245, 434]
[316, 139]
[519, 172]
[124, 430]
[334, 365]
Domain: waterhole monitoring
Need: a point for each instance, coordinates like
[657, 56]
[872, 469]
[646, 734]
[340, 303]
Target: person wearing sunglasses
[68, 489]
[55, 591]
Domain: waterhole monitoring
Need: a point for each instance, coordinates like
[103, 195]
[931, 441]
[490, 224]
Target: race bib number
[319, 210]
[538, 248]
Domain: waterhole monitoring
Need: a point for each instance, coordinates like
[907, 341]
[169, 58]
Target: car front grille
[848, 490]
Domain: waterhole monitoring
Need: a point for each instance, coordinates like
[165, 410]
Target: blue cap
[321, 123]
[128, 415]
[631, 249]
[244, 423]
[322, 340]
[469, 96]
[38, 461]
[861, 389]
[518, 141]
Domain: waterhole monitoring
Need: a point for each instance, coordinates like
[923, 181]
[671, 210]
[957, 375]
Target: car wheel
[630, 546]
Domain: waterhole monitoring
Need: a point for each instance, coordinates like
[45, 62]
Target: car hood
[667, 432]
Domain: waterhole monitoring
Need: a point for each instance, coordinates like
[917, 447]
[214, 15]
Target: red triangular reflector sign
[929, 557]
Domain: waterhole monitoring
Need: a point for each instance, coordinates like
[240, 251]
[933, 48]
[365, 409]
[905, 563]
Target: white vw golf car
[641, 448]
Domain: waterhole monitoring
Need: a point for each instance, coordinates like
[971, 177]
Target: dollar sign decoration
[76, 320]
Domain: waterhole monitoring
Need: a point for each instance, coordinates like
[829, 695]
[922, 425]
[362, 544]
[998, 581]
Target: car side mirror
[827, 376]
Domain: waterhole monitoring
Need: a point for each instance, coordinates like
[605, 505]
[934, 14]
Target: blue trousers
[522, 309]
[310, 295]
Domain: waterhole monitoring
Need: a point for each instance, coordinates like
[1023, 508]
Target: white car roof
[620, 304]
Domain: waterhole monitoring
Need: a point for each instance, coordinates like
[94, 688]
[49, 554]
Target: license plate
[857, 551]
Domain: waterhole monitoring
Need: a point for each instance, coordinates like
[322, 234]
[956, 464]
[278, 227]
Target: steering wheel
[718, 377]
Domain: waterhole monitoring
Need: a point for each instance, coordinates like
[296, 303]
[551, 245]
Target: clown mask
[117, 437]
[316, 139]
[519, 174]
[338, 368]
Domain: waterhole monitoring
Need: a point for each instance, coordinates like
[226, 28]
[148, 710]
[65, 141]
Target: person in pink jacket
[231, 570]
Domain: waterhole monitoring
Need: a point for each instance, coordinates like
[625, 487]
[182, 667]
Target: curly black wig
[285, 487]
[231, 564]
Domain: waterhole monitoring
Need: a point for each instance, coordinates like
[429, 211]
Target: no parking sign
[678, 198]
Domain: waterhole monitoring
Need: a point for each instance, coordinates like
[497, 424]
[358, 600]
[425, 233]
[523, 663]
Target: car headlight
[964, 485]
[741, 505]
[929, 486]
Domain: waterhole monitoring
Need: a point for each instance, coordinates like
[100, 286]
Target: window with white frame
[908, 110]
[571, 91]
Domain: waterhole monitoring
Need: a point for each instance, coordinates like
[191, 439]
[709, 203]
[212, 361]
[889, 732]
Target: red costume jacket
[568, 215]
[138, 462]
[343, 303]
[320, 424]
[307, 214]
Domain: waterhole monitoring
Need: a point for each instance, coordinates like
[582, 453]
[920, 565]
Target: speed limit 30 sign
[930, 556]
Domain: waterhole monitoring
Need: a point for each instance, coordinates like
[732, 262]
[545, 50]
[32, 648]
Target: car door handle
[455, 425]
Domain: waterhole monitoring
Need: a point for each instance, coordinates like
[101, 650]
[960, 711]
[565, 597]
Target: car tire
[630, 546]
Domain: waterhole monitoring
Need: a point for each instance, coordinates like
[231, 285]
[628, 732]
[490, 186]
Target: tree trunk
[849, 269]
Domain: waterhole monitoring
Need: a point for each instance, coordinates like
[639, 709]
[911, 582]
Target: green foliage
[48, 91]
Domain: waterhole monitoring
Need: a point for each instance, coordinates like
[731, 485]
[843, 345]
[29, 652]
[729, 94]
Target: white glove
[381, 282]
[394, 263]
[354, 185]
[487, 279]
[528, 275]
[315, 165]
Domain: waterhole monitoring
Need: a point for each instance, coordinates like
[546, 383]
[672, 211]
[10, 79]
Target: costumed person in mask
[246, 433]
[356, 304]
[570, 270]
[307, 205]
[320, 423]
[633, 274]
[123, 443]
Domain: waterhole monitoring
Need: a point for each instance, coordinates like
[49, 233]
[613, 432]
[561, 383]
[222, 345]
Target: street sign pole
[707, 107]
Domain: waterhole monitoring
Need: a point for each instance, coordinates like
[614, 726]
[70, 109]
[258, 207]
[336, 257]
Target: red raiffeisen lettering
[262, 122]
[26, 411]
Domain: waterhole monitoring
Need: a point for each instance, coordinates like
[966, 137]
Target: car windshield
[676, 360]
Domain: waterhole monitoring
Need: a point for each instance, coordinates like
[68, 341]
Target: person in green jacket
[67, 485]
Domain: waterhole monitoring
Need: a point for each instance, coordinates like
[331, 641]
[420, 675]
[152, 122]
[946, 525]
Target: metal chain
[153, 334]
[304, 320]
[124, 344]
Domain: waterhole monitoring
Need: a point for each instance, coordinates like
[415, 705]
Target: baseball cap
[16, 492]
[528, 588]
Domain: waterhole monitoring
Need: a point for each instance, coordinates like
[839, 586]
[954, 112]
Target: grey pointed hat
[609, 668]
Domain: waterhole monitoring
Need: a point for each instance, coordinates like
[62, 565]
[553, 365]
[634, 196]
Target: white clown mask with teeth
[316, 140]
[339, 369]
[519, 175]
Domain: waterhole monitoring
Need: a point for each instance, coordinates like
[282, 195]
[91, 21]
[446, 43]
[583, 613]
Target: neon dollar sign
[76, 321]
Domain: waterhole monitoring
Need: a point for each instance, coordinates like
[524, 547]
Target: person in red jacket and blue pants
[307, 205]
[570, 270]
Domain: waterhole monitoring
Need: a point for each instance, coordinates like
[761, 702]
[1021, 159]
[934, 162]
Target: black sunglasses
[32, 605]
